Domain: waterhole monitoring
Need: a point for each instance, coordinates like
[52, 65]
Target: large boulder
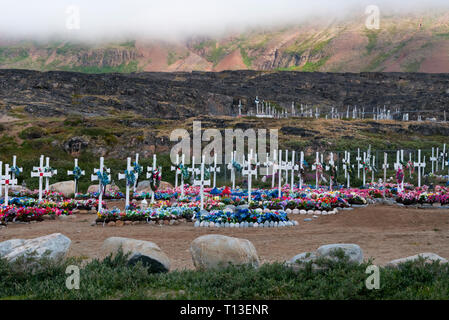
[53, 247]
[94, 188]
[217, 251]
[66, 187]
[151, 256]
[352, 251]
[144, 186]
[428, 258]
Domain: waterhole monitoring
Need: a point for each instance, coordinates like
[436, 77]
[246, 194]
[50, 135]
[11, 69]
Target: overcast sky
[157, 18]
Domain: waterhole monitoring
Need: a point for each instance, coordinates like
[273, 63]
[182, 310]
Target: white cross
[40, 173]
[176, 170]
[420, 165]
[443, 156]
[273, 165]
[385, 166]
[231, 167]
[136, 174]
[361, 166]
[240, 108]
[122, 176]
[301, 168]
[315, 167]
[373, 167]
[202, 182]
[71, 173]
[14, 165]
[249, 171]
[281, 166]
[398, 165]
[214, 169]
[52, 173]
[182, 176]
[6, 180]
[358, 163]
[294, 167]
[433, 159]
[150, 173]
[437, 162]
[347, 166]
[94, 177]
[331, 165]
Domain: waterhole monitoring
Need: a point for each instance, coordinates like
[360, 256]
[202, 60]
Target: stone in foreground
[352, 251]
[217, 251]
[53, 247]
[151, 256]
[428, 258]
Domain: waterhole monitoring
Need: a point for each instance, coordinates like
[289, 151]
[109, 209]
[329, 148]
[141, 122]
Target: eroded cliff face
[405, 43]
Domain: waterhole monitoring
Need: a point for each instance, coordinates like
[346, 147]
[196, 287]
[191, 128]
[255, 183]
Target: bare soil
[384, 233]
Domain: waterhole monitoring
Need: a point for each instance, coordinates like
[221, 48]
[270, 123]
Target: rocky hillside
[411, 43]
[183, 95]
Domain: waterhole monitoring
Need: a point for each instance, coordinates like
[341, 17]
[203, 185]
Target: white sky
[157, 18]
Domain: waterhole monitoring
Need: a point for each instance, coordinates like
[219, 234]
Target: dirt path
[384, 233]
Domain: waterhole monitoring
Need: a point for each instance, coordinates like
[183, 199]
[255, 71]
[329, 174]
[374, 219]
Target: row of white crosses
[42, 172]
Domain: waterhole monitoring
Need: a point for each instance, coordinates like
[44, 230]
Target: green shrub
[32, 133]
[113, 278]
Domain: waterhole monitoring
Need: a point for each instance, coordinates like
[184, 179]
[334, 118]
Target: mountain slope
[411, 43]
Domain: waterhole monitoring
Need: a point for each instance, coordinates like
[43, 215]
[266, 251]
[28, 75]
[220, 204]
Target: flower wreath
[77, 173]
[155, 180]
[236, 166]
[399, 175]
[104, 179]
[182, 168]
[130, 177]
[16, 171]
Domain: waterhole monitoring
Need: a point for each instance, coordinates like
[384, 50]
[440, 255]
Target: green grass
[122, 68]
[114, 279]
[381, 58]
[171, 58]
[372, 40]
[248, 61]
[413, 66]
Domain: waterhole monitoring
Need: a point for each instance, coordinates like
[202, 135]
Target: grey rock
[218, 251]
[147, 252]
[53, 247]
[352, 251]
[428, 257]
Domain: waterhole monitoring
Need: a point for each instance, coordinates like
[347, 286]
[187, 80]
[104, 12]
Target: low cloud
[116, 19]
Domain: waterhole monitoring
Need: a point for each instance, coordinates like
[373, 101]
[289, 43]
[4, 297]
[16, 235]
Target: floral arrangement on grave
[183, 170]
[155, 180]
[104, 179]
[130, 177]
[137, 170]
[15, 170]
[366, 166]
[408, 165]
[399, 176]
[226, 192]
[236, 166]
